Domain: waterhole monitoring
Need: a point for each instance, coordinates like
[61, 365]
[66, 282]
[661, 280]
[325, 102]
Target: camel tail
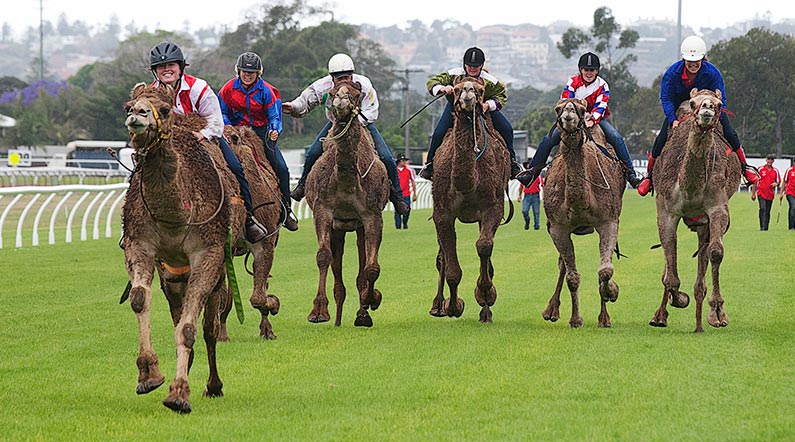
[510, 208]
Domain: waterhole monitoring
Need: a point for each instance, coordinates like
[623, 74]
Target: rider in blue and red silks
[248, 100]
[693, 71]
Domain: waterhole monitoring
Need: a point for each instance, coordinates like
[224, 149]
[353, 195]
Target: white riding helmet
[339, 63]
[693, 48]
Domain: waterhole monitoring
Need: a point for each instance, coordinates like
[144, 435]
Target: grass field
[68, 348]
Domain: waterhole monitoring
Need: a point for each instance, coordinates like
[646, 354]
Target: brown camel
[469, 181]
[583, 193]
[694, 181]
[176, 218]
[347, 191]
[267, 200]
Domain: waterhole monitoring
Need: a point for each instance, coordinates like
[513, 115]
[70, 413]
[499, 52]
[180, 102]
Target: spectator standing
[530, 197]
[408, 186]
[765, 189]
[788, 188]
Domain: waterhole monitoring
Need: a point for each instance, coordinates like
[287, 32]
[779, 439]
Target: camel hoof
[655, 323]
[551, 317]
[605, 324]
[454, 311]
[223, 335]
[437, 309]
[268, 336]
[575, 322]
[317, 319]
[680, 300]
[178, 405]
[148, 386]
[485, 315]
[363, 320]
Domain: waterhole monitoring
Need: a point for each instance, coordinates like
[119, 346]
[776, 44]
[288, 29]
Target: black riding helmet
[474, 56]
[249, 62]
[589, 60]
[166, 52]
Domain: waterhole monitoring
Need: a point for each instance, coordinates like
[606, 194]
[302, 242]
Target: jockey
[494, 99]
[693, 71]
[194, 95]
[592, 88]
[340, 66]
[248, 100]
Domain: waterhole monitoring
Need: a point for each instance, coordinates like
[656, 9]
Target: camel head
[344, 99]
[706, 107]
[148, 107]
[571, 114]
[468, 93]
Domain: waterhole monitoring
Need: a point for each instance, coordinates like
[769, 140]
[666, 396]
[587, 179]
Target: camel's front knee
[138, 298]
[484, 247]
[716, 254]
[189, 335]
[573, 281]
[323, 257]
[372, 272]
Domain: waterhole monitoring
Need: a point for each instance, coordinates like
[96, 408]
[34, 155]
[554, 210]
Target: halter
[478, 150]
[141, 154]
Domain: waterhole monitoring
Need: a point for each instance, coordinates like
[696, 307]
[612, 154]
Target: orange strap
[175, 270]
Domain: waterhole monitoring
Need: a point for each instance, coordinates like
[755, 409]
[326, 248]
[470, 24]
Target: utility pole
[41, 39]
[679, 30]
[406, 84]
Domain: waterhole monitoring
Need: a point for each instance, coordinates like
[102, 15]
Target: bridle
[152, 142]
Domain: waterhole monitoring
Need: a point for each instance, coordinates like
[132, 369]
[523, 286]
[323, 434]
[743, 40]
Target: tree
[608, 39]
[757, 70]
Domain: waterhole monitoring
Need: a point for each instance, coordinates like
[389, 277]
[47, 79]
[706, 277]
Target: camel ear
[718, 94]
[693, 92]
[357, 85]
[581, 102]
[137, 89]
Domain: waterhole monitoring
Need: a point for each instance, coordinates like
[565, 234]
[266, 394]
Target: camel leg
[608, 289]
[485, 292]
[718, 223]
[445, 231]
[437, 309]
[337, 250]
[666, 226]
[562, 239]
[552, 312]
[369, 242]
[265, 303]
[210, 328]
[140, 267]
[319, 311]
[700, 288]
[207, 272]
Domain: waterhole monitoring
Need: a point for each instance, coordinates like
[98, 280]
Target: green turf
[67, 370]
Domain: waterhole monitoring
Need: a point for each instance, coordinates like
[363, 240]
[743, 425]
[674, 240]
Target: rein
[141, 156]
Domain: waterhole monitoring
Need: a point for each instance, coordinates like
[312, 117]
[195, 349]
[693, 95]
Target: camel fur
[583, 193]
[347, 190]
[471, 172]
[177, 214]
[695, 179]
[267, 201]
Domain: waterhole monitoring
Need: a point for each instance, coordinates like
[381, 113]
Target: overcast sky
[171, 15]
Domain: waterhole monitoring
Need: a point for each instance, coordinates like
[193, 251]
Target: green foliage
[757, 70]
[69, 348]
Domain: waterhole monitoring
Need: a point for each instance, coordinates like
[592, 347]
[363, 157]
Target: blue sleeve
[224, 108]
[717, 82]
[668, 94]
[274, 113]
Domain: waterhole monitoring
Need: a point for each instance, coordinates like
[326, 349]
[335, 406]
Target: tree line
[756, 67]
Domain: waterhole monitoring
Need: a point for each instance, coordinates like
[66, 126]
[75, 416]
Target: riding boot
[290, 223]
[527, 177]
[394, 197]
[633, 179]
[299, 191]
[750, 174]
[427, 171]
[645, 185]
[516, 168]
[255, 232]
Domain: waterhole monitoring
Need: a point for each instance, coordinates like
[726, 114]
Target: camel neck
[571, 148]
[464, 162]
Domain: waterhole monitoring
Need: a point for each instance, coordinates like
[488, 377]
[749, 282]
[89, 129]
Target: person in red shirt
[788, 188]
[765, 188]
[408, 186]
[530, 197]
